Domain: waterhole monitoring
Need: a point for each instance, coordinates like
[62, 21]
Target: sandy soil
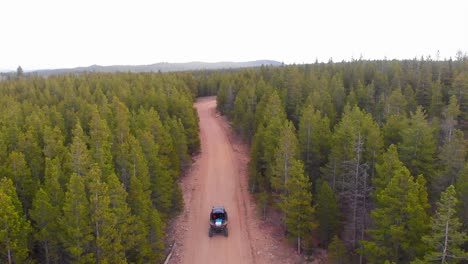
[219, 177]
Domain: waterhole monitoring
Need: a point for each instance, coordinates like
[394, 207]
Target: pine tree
[107, 239]
[451, 114]
[437, 102]
[150, 245]
[163, 186]
[386, 170]
[459, 89]
[126, 223]
[418, 146]
[75, 224]
[12, 118]
[446, 237]
[424, 83]
[396, 103]
[244, 112]
[138, 197]
[3, 152]
[140, 207]
[314, 140]
[285, 155]
[356, 146]
[180, 142]
[45, 216]
[269, 108]
[80, 160]
[121, 121]
[52, 185]
[338, 93]
[100, 143]
[400, 220]
[257, 178]
[365, 96]
[355, 126]
[54, 143]
[225, 97]
[14, 228]
[392, 129]
[155, 236]
[327, 213]
[337, 252]
[452, 158]
[462, 195]
[122, 162]
[150, 121]
[351, 99]
[182, 109]
[294, 93]
[29, 145]
[321, 99]
[270, 120]
[19, 72]
[296, 205]
[355, 188]
[22, 179]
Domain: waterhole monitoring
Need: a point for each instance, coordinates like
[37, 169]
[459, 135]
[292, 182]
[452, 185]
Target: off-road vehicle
[218, 221]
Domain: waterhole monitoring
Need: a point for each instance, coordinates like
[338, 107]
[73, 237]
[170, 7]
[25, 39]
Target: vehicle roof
[218, 209]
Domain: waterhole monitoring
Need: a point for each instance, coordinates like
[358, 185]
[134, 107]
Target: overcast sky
[62, 33]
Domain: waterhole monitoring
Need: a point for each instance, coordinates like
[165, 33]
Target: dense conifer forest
[89, 165]
[365, 158]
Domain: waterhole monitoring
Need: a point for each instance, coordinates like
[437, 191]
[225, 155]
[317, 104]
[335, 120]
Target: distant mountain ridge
[161, 67]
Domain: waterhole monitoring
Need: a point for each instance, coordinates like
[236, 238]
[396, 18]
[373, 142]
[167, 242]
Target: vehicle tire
[210, 232]
[226, 232]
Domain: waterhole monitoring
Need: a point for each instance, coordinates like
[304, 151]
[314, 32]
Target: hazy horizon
[4, 70]
[53, 34]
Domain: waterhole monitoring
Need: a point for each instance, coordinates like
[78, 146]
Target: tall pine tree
[296, 204]
[107, 238]
[45, 216]
[452, 157]
[270, 121]
[80, 160]
[14, 228]
[75, 224]
[446, 237]
[327, 213]
[314, 140]
[386, 170]
[400, 220]
[100, 143]
[418, 146]
[22, 179]
[285, 155]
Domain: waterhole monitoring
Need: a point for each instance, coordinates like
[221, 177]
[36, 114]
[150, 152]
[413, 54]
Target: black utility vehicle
[218, 221]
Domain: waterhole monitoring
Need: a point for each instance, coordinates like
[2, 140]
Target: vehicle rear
[218, 221]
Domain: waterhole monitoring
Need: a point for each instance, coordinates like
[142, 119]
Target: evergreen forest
[89, 165]
[366, 159]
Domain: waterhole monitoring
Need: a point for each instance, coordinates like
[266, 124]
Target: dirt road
[219, 177]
